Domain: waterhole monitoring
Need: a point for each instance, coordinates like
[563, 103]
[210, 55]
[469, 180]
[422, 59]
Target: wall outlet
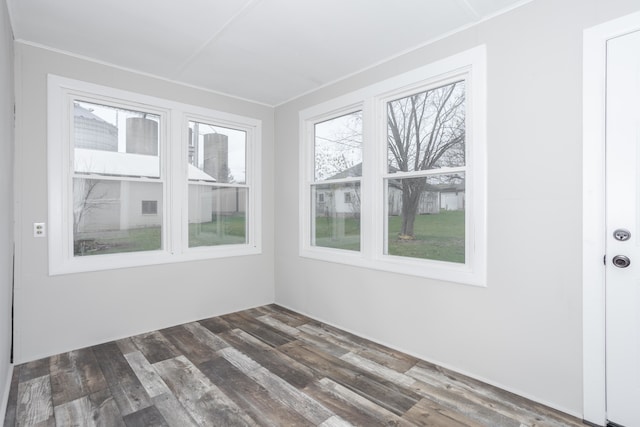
[39, 229]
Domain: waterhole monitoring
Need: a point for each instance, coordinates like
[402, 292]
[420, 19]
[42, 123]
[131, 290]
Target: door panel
[622, 211]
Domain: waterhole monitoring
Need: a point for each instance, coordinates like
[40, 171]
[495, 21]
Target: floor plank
[75, 374]
[146, 417]
[192, 348]
[172, 411]
[388, 395]
[204, 401]
[351, 405]
[266, 366]
[147, 375]
[279, 390]
[278, 363]
[125, 386]
[251, 396]
[34, 402]
[155, 347]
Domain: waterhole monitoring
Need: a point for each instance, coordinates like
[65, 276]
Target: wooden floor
[265, 366]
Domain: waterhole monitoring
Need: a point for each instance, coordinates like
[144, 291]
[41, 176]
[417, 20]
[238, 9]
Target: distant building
[91, 132]
[344, 200]
[121, 204]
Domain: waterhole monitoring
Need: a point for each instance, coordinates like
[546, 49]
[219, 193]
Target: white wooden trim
[593, 212]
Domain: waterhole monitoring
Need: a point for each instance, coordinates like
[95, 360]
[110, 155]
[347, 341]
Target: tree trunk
[411, 191]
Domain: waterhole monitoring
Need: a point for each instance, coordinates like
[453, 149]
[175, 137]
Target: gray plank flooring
[265, 366]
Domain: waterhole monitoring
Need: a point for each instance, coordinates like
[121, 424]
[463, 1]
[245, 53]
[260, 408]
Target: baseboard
[5, 394]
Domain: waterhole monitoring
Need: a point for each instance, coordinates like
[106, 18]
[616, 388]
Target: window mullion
[370, 198]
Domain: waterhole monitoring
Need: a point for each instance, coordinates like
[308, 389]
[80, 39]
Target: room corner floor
[265, 366]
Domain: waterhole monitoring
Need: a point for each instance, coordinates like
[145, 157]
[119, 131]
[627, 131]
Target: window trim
[372, 101]
[173, 155]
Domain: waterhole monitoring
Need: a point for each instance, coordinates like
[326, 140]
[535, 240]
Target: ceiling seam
[141, 73]
[465, 4]
[250, 4]
[406, 51]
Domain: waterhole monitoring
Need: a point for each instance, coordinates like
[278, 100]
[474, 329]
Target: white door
[623, 216]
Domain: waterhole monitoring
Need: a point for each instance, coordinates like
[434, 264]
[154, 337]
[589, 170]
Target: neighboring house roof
[355, 170]
[125, 164]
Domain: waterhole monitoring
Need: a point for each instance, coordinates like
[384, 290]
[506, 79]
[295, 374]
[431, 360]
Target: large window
[393, 175]
[118, 196]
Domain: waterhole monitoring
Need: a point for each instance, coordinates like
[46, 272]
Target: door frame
[593, 212]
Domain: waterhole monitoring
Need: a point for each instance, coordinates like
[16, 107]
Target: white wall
[6, 199]
[60, 313]
[523, 331]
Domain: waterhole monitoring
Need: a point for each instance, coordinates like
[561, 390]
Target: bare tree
[84, 195]
[425, 131]
[87, 197]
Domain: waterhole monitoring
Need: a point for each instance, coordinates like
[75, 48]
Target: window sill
[142, 259]
[428, 269]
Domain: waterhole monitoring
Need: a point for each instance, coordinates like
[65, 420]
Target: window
[115, 161]
[425, 136]
[218, 192]
[337, 172]
[401, 167]
[149, 207]
[118, 197]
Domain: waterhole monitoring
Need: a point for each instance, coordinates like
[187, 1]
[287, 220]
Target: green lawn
[111, 242]
[438, 236]
[231, 230]
[339, 233]
[227, 231]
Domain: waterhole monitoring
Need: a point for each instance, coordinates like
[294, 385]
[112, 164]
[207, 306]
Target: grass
[231, 231]
[437, 237]
[347, 233]
[112, 242]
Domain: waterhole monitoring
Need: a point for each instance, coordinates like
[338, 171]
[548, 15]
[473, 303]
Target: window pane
[338, 147]
[107, 217]
[114, 141]
[426, 217]
[217, 154]
[337, 215]
[217, 215]
[149, 207]
[427, 130]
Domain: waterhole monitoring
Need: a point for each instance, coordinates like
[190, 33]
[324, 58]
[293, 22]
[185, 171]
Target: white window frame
[469, 65]
[173, 155]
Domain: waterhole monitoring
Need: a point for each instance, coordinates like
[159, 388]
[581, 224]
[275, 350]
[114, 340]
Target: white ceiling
[268, 51]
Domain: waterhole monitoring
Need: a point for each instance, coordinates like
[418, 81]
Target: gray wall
[523, 331]
[60, 313]
[6, 197]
